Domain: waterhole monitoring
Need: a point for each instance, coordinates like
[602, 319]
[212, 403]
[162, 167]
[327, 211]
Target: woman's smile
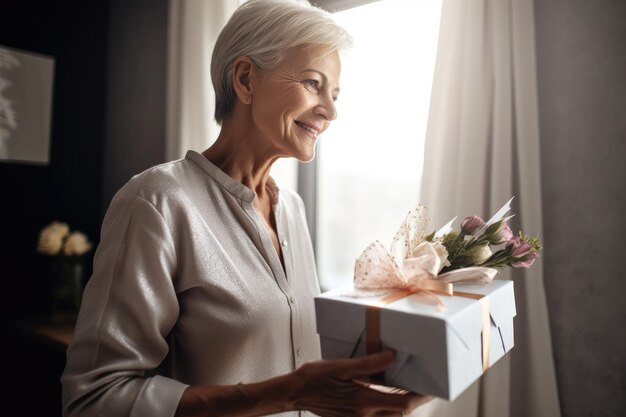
[309, 130]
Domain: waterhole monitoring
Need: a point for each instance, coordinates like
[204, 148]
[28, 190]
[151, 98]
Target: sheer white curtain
[193, 29]
[482, 147]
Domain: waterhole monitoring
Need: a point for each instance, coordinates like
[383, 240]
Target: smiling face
[294, 103]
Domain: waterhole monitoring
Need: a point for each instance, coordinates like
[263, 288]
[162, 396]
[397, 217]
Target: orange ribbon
[373, 343]
[486, 322]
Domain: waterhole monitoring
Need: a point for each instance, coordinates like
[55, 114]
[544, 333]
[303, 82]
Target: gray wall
[136, 91]
[581, 68]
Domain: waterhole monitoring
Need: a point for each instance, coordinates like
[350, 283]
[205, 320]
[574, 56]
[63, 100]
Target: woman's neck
[240, 156]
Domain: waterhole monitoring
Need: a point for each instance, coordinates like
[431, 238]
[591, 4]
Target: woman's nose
[326, 109]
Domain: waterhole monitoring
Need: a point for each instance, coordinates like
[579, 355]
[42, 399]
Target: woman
[201, 301]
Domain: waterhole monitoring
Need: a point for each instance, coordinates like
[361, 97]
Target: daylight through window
[370, 159]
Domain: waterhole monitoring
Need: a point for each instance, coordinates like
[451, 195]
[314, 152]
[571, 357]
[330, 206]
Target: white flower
[481, 254]
[51, 238]
[442, 252]
[76, 244]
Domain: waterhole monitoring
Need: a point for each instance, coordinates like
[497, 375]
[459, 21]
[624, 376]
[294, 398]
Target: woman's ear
[243, 72]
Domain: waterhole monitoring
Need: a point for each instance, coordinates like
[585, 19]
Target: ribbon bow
[411, 266]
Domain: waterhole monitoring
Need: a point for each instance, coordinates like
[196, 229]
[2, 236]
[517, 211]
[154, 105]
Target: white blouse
[188, 289]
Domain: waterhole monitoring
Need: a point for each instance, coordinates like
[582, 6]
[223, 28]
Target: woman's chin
[305, 155]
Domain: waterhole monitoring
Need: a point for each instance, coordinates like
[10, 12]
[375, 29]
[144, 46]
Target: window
[369, 162]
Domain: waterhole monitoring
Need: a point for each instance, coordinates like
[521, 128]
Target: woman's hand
[328, 388]
[331, 388]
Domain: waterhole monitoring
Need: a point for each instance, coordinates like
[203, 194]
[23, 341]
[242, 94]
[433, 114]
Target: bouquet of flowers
[56, 240]
[68, 250]
[473, 244]
[418, 261]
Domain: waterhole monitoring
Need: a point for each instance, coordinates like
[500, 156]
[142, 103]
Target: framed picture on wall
[25, 106]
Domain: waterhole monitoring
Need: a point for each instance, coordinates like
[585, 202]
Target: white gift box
[438, 353]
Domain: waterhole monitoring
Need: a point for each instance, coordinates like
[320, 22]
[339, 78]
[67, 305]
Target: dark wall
[581, 69]
[69, 188]
[108, 123]
[136, 76]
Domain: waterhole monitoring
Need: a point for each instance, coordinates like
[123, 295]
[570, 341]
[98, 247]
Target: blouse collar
[231, 185]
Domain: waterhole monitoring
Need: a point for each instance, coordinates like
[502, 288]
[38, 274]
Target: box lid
[501, 299]
[342, 317]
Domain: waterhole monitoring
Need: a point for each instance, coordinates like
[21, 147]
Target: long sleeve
[129, 308]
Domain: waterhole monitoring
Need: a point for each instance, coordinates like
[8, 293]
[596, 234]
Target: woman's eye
[312, 84]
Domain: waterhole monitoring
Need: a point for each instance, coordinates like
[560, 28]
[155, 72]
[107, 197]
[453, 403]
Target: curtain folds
[482, 147]
[193, 29]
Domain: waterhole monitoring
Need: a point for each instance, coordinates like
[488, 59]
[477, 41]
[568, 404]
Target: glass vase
[67, 288]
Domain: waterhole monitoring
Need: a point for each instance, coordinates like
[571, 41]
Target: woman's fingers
[379, 403]
[367, 365]
[420, 400]
[390, 402]
[331, 388]
[389, 398]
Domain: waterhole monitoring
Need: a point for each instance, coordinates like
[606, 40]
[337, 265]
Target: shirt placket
[282, 277]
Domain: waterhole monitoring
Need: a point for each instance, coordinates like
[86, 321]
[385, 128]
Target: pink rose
[471, 224]
[502, 236]
[519, 247]
[523, 251]
[527, 261]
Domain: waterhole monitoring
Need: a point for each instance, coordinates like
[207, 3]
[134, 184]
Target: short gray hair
[265, 31]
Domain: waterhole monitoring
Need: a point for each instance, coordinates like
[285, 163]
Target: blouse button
[284, 243]
[292, 300]
[299, 352]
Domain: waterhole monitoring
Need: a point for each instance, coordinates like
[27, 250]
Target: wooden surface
[56, 331]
